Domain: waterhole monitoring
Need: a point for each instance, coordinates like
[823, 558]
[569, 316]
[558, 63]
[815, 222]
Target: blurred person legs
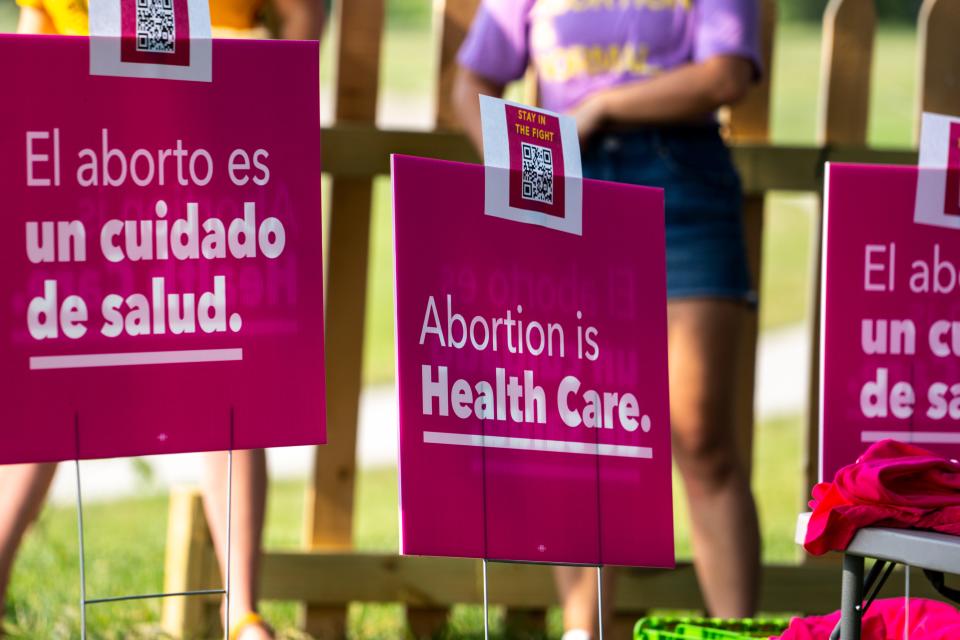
[724, 528]
[249, 505]
[23, 486]
[577, 587]
[724, 531]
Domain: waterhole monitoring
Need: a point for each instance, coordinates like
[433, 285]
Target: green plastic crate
[664, 628]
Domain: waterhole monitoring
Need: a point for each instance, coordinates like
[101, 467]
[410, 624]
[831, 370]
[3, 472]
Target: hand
[589, 115]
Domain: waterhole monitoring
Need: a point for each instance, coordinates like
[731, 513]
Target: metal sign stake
[83, 568]
[596, 457]
[600, 599]
[906, 602]
[226, 595]
[486, 604]
[85, 602]
[486, 550]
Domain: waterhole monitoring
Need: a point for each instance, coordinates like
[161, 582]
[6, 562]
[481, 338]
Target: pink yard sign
[532, 375]
[161, 252]
[891, 315]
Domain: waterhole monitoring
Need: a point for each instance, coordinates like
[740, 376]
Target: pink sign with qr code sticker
[531, 365]
[162, 272]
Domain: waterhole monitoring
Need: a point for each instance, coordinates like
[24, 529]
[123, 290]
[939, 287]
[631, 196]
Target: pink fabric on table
[885, 620]
[891, 485]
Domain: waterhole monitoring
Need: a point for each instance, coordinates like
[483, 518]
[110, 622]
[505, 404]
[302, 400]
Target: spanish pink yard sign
[531, 366]
[161, 252]
[891, 313]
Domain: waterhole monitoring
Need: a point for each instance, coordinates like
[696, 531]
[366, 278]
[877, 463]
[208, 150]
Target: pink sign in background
[239, 154]
[520, 475]
[891, 350]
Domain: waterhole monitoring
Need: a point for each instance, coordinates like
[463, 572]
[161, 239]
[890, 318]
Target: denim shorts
[706, 255]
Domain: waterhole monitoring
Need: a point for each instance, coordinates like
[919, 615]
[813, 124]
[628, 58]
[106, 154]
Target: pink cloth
[885, 620]
[891, 485]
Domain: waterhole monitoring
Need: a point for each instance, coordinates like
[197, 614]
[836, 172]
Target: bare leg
[24, 486]
[725, 532]
[577, 587]
[249, 505]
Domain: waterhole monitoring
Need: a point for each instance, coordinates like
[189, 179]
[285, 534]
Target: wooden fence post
[191, 565]
[452, 19]
[847, 53]
[329, 509]
[937, 28]
[749, 122]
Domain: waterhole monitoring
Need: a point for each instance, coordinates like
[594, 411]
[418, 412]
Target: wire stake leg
[83, 567]
[486, 604]
[84, 602]
[600, 599]
[906, 602]
[226, 622]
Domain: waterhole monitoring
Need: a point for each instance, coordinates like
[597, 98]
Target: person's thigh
[703, 345]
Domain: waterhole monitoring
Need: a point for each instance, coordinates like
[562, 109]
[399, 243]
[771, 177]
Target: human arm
[493, 54]
[467, 86]
[687, 93]
[34, 20]
[300, 19]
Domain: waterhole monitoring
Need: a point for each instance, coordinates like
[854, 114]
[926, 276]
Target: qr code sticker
[155, 26]
[537, 173]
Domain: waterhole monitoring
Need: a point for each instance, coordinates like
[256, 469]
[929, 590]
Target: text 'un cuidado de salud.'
[157, 237]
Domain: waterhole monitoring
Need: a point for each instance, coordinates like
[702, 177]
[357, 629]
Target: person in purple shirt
[643, 79]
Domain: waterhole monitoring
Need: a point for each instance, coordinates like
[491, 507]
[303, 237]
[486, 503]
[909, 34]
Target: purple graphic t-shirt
[581, 46]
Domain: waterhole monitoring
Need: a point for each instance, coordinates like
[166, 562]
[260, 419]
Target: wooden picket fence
[327, 574]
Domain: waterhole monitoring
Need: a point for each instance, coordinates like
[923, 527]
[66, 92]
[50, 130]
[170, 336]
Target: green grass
[125, 548]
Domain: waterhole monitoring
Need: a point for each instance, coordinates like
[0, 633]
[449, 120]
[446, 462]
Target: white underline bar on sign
[534, 444]
[140, 358]
[917, 437]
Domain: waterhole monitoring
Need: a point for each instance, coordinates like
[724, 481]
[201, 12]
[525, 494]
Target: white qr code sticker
[168, 39]
[537, 170]
[156, 27]
[532, 169]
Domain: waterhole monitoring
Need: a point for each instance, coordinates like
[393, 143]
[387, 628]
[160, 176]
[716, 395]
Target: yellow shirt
[229, 17]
